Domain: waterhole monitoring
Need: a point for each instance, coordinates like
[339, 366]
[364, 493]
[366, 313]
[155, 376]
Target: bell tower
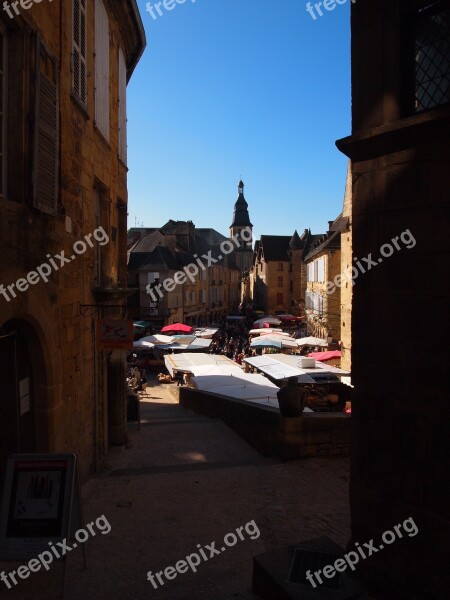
[241, 221]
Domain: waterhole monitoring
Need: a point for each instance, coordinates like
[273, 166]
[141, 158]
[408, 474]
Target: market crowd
[232, 340]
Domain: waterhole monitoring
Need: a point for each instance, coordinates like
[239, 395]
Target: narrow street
[188, 480]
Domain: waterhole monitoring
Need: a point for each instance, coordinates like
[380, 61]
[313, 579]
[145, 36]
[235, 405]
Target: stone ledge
[312, 434]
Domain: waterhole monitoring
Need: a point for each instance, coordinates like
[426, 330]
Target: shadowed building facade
[208, 293]
[400, 161]
[63, 174]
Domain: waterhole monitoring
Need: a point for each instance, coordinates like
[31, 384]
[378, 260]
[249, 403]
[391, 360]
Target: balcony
[111, 289]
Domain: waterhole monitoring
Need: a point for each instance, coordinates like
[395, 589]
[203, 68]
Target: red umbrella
[177, 327]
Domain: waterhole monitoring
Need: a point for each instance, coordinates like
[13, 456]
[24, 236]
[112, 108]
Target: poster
[36, 503]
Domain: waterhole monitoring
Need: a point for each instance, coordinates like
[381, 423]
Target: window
[122, 108]
[103, 267]
[280, 280]
[102, 69]
[79, 51]
[122, 241]
[321, 269]
[46, 132]
[152, 278]
[432, 57]
[280, 300]
[316, 302]
[280, 266]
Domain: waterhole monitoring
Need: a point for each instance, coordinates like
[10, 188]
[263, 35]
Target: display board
[41, 503]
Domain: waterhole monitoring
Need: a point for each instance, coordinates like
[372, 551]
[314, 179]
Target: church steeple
[240, 216]
[241, 221]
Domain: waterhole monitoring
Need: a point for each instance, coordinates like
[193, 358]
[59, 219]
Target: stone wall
[70, 377]
[347, 287]
[313, 434]
[400, 410]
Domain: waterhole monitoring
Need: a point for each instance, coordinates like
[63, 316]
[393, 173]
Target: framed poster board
[37, 503]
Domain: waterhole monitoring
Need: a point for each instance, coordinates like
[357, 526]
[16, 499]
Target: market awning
[311, 341]
[282, 366]
[324, 356]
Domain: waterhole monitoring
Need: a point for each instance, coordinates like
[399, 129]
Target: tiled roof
[275, 247]
[149, 242]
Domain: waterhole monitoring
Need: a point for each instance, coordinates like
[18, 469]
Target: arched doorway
[20, 370]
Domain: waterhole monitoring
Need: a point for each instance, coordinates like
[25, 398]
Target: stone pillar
[117, 407]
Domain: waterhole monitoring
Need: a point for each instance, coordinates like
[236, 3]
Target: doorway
[17, 407]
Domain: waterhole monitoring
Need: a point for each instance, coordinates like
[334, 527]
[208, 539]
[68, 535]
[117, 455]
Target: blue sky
[240, 88]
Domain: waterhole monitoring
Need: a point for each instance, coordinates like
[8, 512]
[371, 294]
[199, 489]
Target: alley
[186, 480]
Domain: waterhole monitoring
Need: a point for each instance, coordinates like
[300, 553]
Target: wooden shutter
[102, 69]
[122, 107]
[79, 70]
[46, 132]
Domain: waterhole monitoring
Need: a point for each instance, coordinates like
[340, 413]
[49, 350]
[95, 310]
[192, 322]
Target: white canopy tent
[282, 366]
[311, 341]
[218, 374]
[266, 331]
[205, 333]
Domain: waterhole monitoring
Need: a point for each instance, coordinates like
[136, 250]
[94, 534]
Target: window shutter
[122, 107]
[79, 71]
[46, 132]
[101, 69]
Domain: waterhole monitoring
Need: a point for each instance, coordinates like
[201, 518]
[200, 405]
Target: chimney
[330, 223]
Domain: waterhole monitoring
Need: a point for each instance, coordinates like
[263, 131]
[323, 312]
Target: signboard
[38, 497]
[114, 334]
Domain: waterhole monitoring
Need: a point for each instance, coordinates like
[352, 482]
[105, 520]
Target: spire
[240, 216]
[295, 243]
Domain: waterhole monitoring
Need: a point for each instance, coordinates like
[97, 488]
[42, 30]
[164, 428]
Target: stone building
[400, 156]
[276, 282]
[322, 300]
[206, 288]
[346, 286]
[63, 175]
